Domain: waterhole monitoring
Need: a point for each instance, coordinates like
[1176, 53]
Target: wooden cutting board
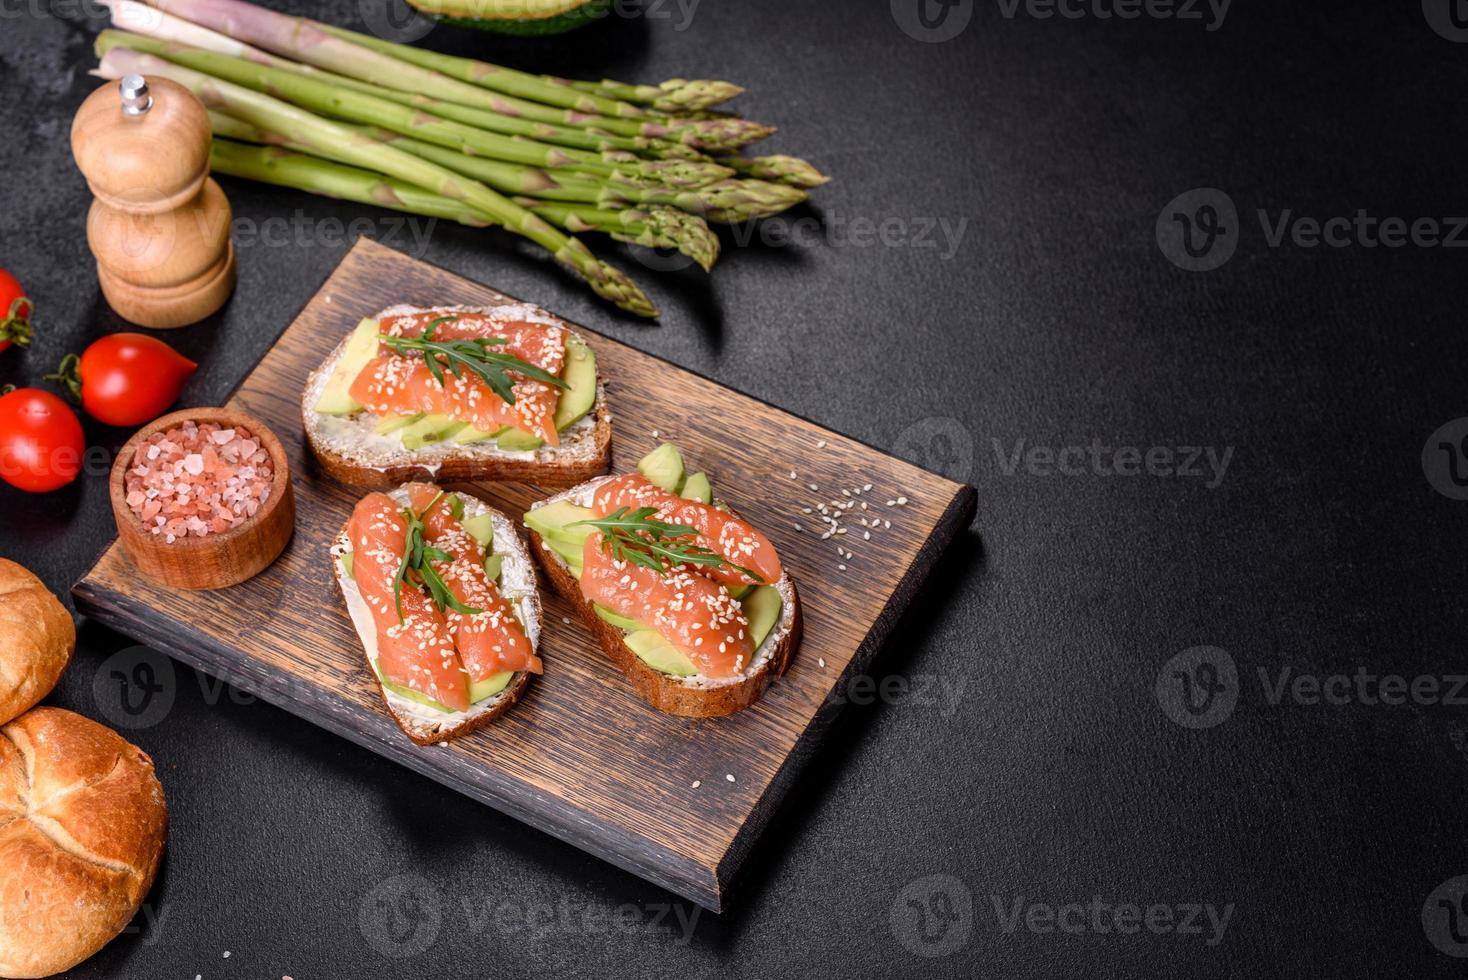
[581, 757]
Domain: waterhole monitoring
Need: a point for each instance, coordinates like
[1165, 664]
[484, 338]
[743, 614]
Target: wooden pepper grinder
[160, 225]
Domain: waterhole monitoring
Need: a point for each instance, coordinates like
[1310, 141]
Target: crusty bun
[82, 826]
[36, 640]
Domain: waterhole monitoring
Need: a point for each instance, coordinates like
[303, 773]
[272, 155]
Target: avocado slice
[659, 654]
[336, 398]
[697, 487]
[552, 522]
[762, 609]
[492, 566]
[469, 434]
[429, 430]
[621, 622]
[525, 18]
[489, 687]
[481, 526]
[518, 441]
[580, 374]
[663, 466]
[409, 693]
[556, 518]
[389, 424]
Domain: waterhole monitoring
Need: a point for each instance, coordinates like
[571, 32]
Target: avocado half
[521, 17]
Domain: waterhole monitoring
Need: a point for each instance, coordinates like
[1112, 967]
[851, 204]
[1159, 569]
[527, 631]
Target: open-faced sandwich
[442, 592]
[459, 393]
[685, 596]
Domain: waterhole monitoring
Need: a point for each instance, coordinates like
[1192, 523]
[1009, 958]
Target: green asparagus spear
[675, 95]
[792, 171]
[655, 228]
[322, 96]
[311, 131]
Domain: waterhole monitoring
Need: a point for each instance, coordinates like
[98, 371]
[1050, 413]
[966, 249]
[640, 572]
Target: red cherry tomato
[15, 313]
[126, 379]
[41, 442]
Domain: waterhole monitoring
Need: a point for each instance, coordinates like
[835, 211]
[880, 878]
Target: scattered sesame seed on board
[841, 567]
[566, 620]
[729, 776]
[655, 433]
[697, 783]
[793, 475]
[821, 444]
[821, 661]
[799, 528]
[891, 503]
[812, 486]
[867, 487]
[866, 535]
[902, 501]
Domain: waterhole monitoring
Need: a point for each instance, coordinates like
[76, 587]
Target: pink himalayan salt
[195, 480]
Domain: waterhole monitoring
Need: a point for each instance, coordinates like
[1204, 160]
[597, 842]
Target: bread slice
[518, 583]
[350, 450]
[690, 697]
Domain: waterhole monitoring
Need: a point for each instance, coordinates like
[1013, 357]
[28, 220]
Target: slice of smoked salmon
[719, 531]
[416, 651]
[396, 384]
[690, 611]
[489, 642]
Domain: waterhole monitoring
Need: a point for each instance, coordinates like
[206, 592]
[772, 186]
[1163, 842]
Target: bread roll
[36, 640]
[82, 826]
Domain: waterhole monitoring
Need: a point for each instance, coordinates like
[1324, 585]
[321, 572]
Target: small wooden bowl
[214, 561]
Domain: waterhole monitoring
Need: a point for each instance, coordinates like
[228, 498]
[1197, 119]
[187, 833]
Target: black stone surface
[1038, 767]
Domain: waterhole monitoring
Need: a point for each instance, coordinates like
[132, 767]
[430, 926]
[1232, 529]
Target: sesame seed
[566, 620]
[891, 503]
[729, 776]
[842, 567]
[902, 501]
[866, 535]
[792, 474]
[697, 783]
[799, 528]
[812, 486]
[867, 487]
[821, 444]
[821, 661]
[654, 433]
[846, 493]
[887, 524]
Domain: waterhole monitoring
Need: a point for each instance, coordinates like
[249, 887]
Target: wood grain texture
[581, 757]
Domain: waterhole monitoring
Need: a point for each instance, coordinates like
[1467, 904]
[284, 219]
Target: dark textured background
[1056, 776]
